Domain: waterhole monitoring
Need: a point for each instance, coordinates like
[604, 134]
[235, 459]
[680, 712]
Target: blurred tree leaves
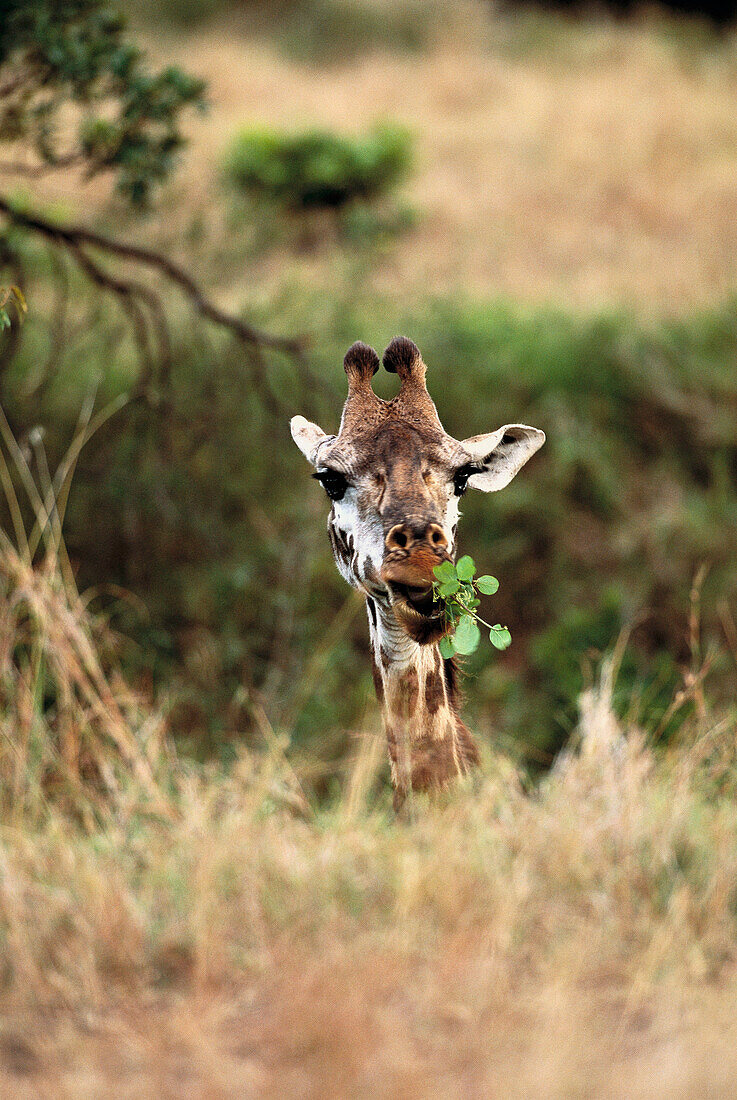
[56, 52]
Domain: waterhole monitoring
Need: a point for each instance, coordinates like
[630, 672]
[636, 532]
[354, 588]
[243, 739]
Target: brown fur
[434, 692]
[428, 743]
[408, 692]
[378, 682]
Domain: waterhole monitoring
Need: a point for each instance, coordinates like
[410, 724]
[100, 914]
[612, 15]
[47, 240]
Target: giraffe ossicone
[395, 479]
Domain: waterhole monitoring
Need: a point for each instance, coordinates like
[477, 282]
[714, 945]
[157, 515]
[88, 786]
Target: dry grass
[577, 942]
[71, 732]
[217, 936]
[589, 165]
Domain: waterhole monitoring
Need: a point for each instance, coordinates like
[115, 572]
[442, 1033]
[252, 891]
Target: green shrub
[318, 168]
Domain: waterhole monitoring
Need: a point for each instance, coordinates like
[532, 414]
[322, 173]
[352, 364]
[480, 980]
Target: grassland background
[563, 254]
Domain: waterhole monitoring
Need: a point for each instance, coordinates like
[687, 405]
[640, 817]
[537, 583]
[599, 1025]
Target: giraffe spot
[467, 747]
[407, 692]
[338, 543]
[434, 691]
[391, 740]
[341, 541]
[370, 572]
[378, 682]
[450, 671]
[433, 764]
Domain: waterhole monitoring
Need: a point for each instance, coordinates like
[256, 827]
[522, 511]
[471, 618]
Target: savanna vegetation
[202, 886]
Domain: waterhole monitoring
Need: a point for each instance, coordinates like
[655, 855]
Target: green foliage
[56, 52]
[318, 168]
[456, 589]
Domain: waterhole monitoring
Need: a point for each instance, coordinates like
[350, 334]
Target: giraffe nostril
[403, 536]
[397, 539]
[436, 536]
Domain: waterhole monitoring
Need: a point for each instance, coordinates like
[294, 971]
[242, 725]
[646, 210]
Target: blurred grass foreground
[164, 921]
[203, 890]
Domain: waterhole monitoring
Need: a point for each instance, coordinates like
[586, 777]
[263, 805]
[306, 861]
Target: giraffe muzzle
[412, 553]
[412, 550]
[413, 568]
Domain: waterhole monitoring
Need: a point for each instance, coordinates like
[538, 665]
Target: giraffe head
[395, 479]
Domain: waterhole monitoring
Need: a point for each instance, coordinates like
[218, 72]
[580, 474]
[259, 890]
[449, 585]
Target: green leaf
[446, 647]
[446, 571]
[467, 635]
[486, 584]
[500, 637]
[449, 588]
[466, 568]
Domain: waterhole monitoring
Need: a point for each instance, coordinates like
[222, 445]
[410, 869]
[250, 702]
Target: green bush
[318, 168]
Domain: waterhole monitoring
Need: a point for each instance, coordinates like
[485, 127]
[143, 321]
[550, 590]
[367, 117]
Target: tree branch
[77, 236]
[35, 171]
[13, 84]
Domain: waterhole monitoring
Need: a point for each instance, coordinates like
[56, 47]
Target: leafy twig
[457, 588]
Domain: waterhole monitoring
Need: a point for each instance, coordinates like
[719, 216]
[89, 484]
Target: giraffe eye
[460, 478]
[333, 482]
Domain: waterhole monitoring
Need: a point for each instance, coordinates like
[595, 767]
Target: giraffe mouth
[414, 601]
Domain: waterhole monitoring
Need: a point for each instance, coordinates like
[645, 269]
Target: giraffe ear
[309, 437]
[502, 454]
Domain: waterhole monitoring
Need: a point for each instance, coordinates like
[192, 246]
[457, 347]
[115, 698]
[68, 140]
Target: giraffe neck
[417, 690]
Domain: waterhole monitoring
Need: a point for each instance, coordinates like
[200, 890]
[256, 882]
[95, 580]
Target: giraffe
[395, 478]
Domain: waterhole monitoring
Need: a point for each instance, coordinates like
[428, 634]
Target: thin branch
[76, 236]
[129, 295]
[132, 295]
[14, 84]
[34, 171]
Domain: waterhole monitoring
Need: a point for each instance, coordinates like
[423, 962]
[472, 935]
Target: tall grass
[504, 941]
[190, 926]
[71, 732]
